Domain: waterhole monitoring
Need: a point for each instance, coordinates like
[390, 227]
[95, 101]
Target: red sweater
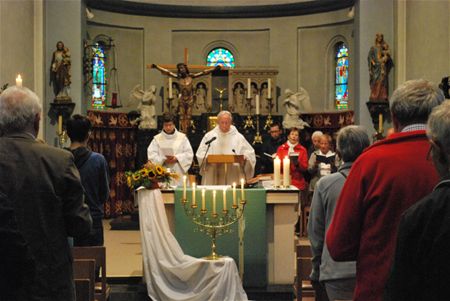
[297, 178]
[385, 180]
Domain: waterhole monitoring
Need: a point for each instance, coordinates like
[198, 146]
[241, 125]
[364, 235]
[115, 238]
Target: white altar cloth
[172, 275]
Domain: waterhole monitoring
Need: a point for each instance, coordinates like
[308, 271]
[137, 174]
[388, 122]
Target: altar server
[171, 149]
[225, 139]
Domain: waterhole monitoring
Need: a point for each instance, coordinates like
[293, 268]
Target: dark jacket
[44, 185]
[421, 267]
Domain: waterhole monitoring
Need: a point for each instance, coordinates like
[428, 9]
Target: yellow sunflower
[144, 172]
[159, 170]
[136, 176]
[151, 174]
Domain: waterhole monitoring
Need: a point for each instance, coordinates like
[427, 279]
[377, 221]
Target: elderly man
[421, 262]
[171, 149]
[44, 185]
[224, 139]
[338, 277]
[385, 180]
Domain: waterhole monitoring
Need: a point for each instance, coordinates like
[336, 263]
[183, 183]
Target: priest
[171, 149]
[225, 139]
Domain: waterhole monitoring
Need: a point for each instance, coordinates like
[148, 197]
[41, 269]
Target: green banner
[198, 244]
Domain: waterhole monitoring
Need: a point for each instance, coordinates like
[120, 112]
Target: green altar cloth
[198, 244]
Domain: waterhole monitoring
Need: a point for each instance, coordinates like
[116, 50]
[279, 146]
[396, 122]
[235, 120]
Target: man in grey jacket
[43, 185]
[338, 277]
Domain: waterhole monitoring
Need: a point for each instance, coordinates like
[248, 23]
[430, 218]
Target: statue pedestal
[379, 111]
[58, 109]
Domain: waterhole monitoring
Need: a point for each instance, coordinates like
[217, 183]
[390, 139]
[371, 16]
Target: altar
[271, 264]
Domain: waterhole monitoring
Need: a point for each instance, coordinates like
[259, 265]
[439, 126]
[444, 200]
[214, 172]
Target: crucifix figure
[186, 97]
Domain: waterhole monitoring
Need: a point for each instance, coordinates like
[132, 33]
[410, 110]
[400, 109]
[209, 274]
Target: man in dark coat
[43, 184]
[421, 263]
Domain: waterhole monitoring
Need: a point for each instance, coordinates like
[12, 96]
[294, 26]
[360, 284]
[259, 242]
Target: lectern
[225, 160]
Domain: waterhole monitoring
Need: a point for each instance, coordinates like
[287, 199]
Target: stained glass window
[341, 83]
[98, 77]
[220, 56]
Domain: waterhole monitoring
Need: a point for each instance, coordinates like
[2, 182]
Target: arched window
[341, 76]
[98, 77]
[220, 56]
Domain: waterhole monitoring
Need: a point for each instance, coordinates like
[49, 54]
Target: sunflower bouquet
[149, 176]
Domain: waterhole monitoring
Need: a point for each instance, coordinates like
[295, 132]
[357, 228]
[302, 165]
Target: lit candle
[234, 194]
[203, 199]
[380, 123]
[276, 171]
[170, 87]
[257, 104]
[19, 81]
[60, 124]
[286, 171]
[214, 202]
[269, 88]
[193, 193]
[249, 83]
[224, 199]
[242, 189]
[184, 186]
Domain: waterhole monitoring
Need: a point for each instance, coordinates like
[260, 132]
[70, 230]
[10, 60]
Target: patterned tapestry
[115, 138]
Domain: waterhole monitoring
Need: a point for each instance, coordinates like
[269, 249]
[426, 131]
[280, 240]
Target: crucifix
[185, 82]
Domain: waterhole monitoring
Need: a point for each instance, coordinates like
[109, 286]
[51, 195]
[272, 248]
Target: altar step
[134, 291]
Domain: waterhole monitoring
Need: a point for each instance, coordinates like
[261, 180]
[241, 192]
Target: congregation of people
[378, 223]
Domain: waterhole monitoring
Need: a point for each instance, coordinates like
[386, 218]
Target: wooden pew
[302, 283]
[102, 290]
[84, 276]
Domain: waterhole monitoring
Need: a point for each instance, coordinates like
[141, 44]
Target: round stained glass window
[220, 56]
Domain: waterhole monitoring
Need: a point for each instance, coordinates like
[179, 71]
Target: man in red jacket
[385, 180]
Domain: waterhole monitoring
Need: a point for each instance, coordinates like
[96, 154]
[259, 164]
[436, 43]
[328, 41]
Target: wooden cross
[186, 57]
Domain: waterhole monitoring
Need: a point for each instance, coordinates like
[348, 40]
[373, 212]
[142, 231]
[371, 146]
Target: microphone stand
[202, 166]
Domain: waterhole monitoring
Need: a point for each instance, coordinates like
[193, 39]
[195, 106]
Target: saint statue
[146, 106]
[60, 73]
[186, 99]
[294, 104]
[380, 64]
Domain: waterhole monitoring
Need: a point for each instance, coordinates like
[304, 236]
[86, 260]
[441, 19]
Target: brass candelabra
[212, 222]
[269, 120]
[258, 137]
[249, 121]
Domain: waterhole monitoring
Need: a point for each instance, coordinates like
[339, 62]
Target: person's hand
[171, 159]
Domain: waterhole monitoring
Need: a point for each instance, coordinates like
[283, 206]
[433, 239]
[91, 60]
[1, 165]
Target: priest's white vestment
[176, 144]
[229, 143]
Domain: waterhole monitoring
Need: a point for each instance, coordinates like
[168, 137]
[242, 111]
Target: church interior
[271, 52]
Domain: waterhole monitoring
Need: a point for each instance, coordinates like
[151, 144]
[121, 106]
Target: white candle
[214, 202]
[193, 193]
[286, 171]
[242, 189]
[170, 87]
[269, 88]
[249, 84]
[257, 104]
[224, 199]
[276, 171]
[19, 81]
[234, 193]
[60, 124]
[184, 186]
[203, 199]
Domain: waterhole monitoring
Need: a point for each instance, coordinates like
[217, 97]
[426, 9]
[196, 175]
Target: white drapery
[172, 275]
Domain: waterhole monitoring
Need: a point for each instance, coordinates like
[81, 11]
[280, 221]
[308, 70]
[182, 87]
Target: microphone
[210, 140]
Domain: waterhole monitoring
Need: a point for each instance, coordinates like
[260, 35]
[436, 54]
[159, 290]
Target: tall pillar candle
[193, 193]
[257, 104]
[170, 87]
[234, 194]
[224, 199]
[286, 171]
[60, 124]
[269, 88]
[184, 186]
[19, 81]
[249, 87]
[214, 202]
[203, 199]
[276, 171]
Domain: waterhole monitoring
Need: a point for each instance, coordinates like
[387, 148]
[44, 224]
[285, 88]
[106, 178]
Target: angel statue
[146, 106]
[295, 104]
